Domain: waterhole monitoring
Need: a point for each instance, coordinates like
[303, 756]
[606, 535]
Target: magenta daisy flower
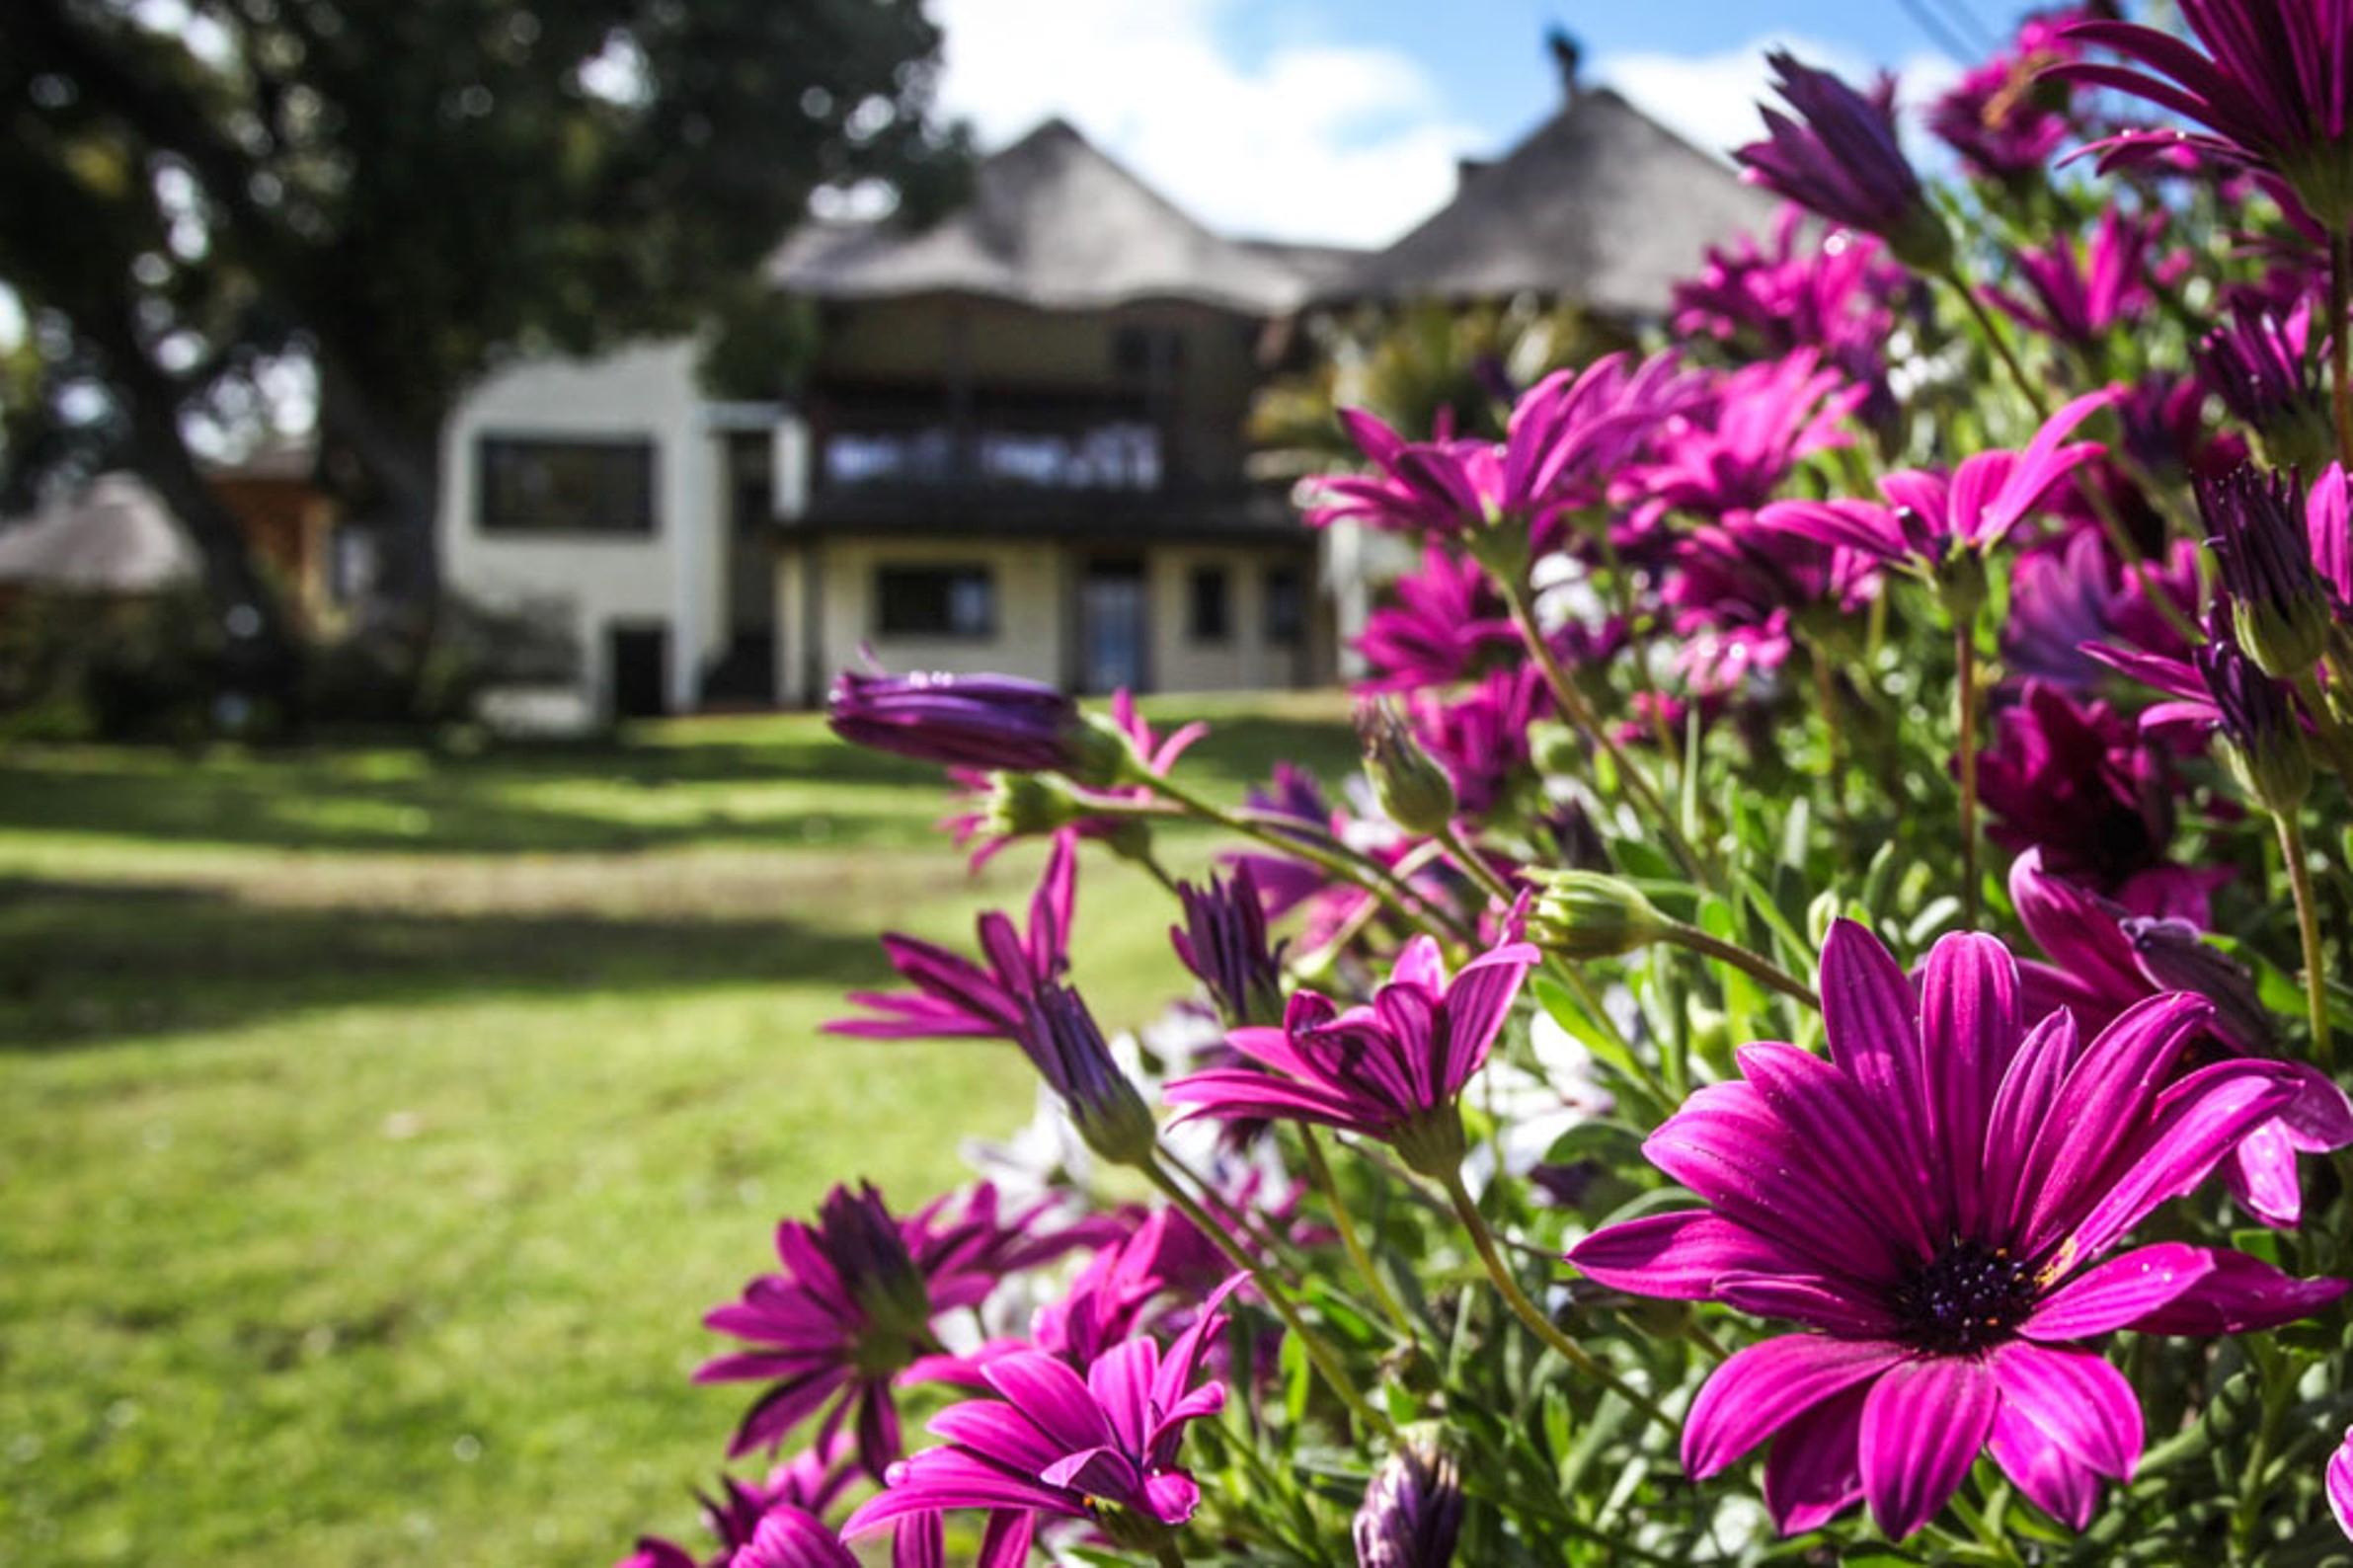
[1392, 1071]
[1930, 519]
[1055, 1444]
[2080, 296]
[1841, 158]
[2273, 92]
[1932, 1207]
[957, 998]
[787, 1537]
[2107, 957]
[852, 1306]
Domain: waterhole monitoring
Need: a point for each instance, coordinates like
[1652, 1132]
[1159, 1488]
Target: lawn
[380, 1121]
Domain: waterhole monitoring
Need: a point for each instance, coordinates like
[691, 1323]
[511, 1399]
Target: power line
[1939, 31]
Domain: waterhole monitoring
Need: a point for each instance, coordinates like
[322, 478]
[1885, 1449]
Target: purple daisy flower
[1930, 518]
[1931, 1206]
[852, 1306]
[2005, 124]
[1224, 942]
[957, 998]
[2107, 957]
[2080, 296]
[2273, 91]
[788, 1537]
[1054, 1445]
[1394, 1072]
[2076, 778]
[1842, 159]
[1440, 624]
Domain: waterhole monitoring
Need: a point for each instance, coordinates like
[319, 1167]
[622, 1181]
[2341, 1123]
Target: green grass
[378, 1123]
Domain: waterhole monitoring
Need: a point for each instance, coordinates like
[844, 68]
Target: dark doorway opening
[640, 661]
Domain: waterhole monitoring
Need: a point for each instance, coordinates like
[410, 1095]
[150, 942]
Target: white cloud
[1317, 141]
[1712, 98]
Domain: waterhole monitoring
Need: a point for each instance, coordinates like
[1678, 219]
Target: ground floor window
[935, 602]
[1210, 617]
[1286, 605]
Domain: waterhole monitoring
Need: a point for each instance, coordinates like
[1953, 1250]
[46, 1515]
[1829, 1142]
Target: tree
[401, 196]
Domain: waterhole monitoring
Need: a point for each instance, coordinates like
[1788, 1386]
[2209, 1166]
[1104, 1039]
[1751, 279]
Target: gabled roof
[1052, 222]
[1601, 204]
[113, 538]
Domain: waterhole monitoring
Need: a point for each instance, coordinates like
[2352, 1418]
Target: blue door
[1112, 626]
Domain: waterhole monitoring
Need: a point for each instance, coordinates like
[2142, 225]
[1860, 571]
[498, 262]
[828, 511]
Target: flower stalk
[2308, 924]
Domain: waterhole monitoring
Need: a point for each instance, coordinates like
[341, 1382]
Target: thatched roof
[114, 536]
[1055, 223]
[1600, 205]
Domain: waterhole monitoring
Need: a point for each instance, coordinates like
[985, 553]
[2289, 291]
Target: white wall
[1244, 660]
[1032, 603]
[673, 576]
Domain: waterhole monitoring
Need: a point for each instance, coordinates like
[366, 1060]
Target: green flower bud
[1413, 790]
[1102, 756]
[1587, 915]
[1027, 804]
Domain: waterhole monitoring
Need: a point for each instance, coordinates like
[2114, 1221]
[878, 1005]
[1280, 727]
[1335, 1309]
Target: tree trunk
[388, 471]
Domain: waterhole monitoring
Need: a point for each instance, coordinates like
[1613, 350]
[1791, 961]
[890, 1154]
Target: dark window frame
[1214, 629]
[1278, 633]
[643, 451]
[946, 631]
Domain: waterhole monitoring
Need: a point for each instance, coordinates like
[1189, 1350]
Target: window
[935, 602]
[567, 486]
[1208, 616]
[1286, 605]
[1138, 353]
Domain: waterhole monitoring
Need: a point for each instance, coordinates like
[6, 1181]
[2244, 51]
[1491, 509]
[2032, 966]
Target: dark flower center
[1968, 1297]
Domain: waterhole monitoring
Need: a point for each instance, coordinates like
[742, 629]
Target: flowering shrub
[1813, 1040]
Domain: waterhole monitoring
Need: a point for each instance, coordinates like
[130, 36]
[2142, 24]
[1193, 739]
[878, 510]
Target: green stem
[1965, 658]
[1547, 1332]
[1764, 971]
[1319, 1172]
[1475, 865]
[1167, 1555]
[1580, 715]
[1998, 340]
[2340, 345]
[1339, 861]
[2307, 921]
[1325, 1361]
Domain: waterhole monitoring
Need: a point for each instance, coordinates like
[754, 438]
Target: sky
[1343, 119]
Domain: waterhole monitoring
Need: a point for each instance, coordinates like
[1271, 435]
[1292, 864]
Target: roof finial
[1567, 55]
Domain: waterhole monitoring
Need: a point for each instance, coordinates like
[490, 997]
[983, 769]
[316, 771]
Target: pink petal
[2339, 1484]
[2119, 1293]
[2198, 1121]
[1727, 1145]
[2083, 1404]
[2241, 1294]
[1969, 1031]
[1677, 1256]
[1815, 1469]
[2020, 1108]
[2061, 1486]
[1921, 1428]
[1872, 1019]
[1823, 1105]
[1763, 1387]
[2261, 1174]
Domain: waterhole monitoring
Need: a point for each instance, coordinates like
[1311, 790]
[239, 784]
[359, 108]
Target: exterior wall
[1031, 611]
[673, 576]
[1036, 589]
[1244, 660]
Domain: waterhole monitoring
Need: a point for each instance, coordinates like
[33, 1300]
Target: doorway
[1113, 627]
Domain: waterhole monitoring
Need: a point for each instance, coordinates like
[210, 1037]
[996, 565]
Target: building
[1020, 446]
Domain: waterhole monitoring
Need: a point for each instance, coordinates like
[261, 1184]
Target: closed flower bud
[1585, 915]
[1413, 790]
[1027, 806]
[1063, 1039]
[2263, 739]
[1224, 942]
[1412, 1512]
[957, 721]
[2279, 606]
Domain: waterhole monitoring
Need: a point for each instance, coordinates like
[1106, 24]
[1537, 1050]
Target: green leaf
[1296, 1374]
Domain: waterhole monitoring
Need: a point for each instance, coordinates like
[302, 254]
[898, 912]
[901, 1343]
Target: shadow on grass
[423, 803]
[87, 964]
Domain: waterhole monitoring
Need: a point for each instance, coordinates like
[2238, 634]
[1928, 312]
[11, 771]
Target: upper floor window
[1210, 617]
[1114, 457]
[935, 602]
[564, 484]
